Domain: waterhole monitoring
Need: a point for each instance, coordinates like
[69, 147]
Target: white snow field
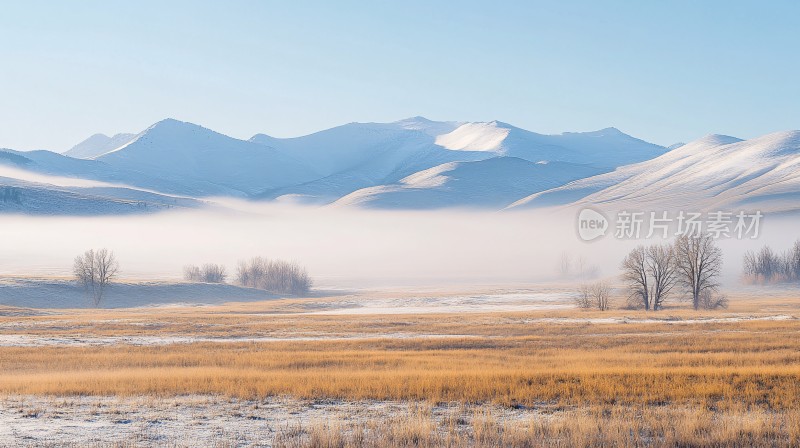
[33, 292]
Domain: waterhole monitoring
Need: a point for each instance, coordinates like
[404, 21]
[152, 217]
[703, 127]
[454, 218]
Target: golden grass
[756, 363]
[611, 426]
[676, 382]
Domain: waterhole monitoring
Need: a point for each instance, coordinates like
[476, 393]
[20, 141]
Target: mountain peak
[430, 127]
[416, 119]
[171, 123]
[605, 132]
[717, 139]
[97, 145]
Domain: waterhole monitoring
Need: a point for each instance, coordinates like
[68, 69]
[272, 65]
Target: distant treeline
[768, 266]
[276, 276]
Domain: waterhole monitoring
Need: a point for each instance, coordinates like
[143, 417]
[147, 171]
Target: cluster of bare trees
[261, 273]
[766, 266]
[594, 295]
[273, 275]
[692, 263]
[95, 269]
[208, 273]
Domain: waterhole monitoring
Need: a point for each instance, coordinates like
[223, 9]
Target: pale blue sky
[662, 71]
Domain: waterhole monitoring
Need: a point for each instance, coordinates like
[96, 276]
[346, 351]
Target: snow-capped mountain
[363, 155]
[713, 173]
[607, 148]
[493, 183]
[97, 145]
[206, 161]
[360, 155]
[481, 164]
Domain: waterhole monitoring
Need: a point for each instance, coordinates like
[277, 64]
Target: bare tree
[208, 273]
[634, 274]
[792, 262]
[711, 301]
[698, 262]
[584, 298]
[273, 275]
[94, 270]
[660, 260]
[214, 273]
[768, 264]
[750, 265]
[602, 295]
[594, 295]
[192, 273]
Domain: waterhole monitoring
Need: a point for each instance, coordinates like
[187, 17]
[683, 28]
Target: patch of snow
[98, 145]
[475, 137]
[500, 302]
[53, 293]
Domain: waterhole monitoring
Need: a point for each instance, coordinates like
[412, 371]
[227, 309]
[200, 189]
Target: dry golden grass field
[672, 378]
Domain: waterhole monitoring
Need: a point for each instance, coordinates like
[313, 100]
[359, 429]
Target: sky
[662, 71]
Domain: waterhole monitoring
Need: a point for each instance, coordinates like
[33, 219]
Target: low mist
[343, 247]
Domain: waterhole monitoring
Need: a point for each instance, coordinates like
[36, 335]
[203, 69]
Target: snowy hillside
[493, 183]
[34, 164]
[30, 198]
[715, 172]
[97, 145]
[359, 155]
[209, 162]
[362, 155]
[375, 163]
[606, 148]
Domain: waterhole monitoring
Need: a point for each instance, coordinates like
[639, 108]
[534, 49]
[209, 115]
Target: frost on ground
[201, 420]
[62, 293]
[505, 301]
[24, 340]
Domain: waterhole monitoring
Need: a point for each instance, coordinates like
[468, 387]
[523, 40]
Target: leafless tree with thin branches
[698, 262]
[95, 269]
[208, 273]
[594, 295]
[584, 298]
[273, 275]
[634, 274]
[660, 260]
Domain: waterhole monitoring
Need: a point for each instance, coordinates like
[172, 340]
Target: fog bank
[340, 247]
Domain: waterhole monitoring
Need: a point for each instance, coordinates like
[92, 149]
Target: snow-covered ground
[191, 421]
[64, 293]
[504, 301]
[28, 340]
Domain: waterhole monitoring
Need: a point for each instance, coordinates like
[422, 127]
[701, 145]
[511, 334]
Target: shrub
[594, 295]
[273, 275]
[208, 273]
